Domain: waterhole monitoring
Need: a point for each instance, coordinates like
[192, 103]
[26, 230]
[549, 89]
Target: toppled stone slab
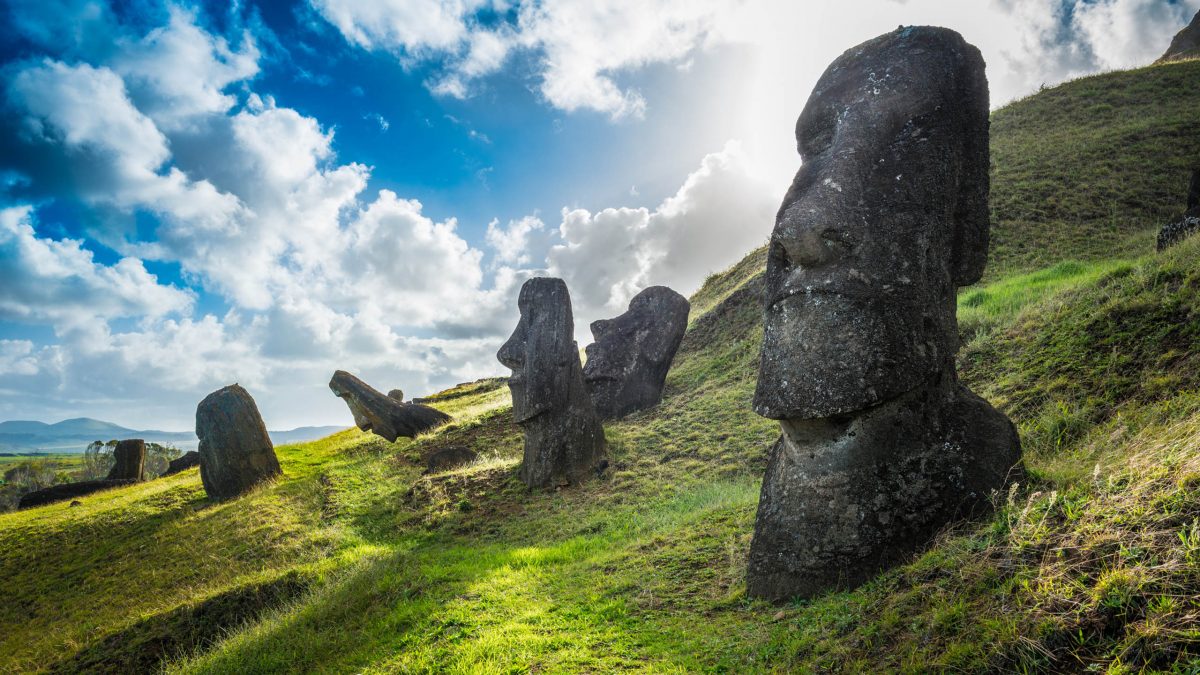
[627, 364]
[881, 446]
[449, 458]
[236, 453]
[58, 493]
[185, 461]
[129, 460]
[383, 415]
[564, 440]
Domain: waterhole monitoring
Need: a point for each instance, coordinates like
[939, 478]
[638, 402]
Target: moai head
[885, 219]
[540, 349]
[628, 363]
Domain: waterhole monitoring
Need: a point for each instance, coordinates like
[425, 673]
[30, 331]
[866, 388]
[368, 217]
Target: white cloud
[511, 244]
[719, 214]
[17, 358]
[178, 72]
[42, 280]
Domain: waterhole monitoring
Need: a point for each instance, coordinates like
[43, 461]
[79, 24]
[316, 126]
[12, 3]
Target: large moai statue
[386, 416]
[628, 363]
[564, 440]
[235, 451]
[886, 218]
[129, 460]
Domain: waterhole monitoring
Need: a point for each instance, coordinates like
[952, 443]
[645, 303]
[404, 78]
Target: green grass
[355, 561]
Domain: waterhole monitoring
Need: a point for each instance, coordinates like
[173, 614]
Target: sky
[193, 195]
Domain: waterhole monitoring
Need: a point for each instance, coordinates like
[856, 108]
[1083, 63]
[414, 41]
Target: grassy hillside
[356, 562]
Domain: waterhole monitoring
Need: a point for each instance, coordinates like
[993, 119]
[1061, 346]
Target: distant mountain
[74, 435]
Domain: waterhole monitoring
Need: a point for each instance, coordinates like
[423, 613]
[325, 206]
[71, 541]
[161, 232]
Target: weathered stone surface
[235, 451]
[1185, 44]
[396, 394]
[628, 363]
[130, 460]
[185, 461]
[1187, 224]
[384, 415]
[564, 440]
[449, 458]
[57, 493]
[881, 444]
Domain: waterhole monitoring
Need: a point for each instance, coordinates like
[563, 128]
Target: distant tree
[98, 460]
[158, 456]
[25, 477]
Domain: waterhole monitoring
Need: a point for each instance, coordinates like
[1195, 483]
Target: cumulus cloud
[43, 280]
[582, 47]
[511, 243]
[718, 214]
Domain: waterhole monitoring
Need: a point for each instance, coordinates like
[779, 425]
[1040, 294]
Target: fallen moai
[235, 451]
[564, 440]
[881, 446]
[57, 493]
[627, 364]
[384, 416]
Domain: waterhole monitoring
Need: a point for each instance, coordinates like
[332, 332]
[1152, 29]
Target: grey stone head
[628, 362]
[886, 217]
[540, 349]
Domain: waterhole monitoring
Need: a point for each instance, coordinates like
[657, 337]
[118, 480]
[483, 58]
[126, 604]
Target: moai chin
[564, 440]
[886, 218]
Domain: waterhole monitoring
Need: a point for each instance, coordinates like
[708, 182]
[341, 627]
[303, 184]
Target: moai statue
[386, 416]
[628, 363]
[564, 440]
[886, 218]
[129, 460]
[235, 451]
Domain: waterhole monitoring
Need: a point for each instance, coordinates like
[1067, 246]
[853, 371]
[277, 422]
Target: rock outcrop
[396, 394]
[628, 363]
[384, 416]
[886, 218]
[1187, 224]
[185, 461]
[564, 440]
[1186, 43]
[58, 493]
[449, 458]
[235, 451]
[129, 460]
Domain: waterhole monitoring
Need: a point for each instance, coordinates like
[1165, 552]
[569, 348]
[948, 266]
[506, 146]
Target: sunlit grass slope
[355, 561]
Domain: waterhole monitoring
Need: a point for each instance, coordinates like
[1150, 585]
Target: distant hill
[73, 435]
[1186, 44]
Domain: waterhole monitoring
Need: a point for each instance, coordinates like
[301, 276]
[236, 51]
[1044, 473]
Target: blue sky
[192, 195]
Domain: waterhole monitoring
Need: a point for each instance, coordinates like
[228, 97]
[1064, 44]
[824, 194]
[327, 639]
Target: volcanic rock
[384, 415]
[57, 493]
[628, 363]
[185, 461]
[449, 458]
[1186, 43]
[564, 440]
[130, 460]
[886, 218]
[235, 451]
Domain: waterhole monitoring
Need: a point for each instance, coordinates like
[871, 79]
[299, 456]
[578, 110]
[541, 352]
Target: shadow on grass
[143, 646]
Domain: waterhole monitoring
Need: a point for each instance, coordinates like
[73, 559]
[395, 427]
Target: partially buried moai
[627, 364]
[129, 460]
[564, 440]
[887, 217]
[235, 451]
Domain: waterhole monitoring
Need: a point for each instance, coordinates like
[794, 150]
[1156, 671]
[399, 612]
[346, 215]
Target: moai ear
[971, 218]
